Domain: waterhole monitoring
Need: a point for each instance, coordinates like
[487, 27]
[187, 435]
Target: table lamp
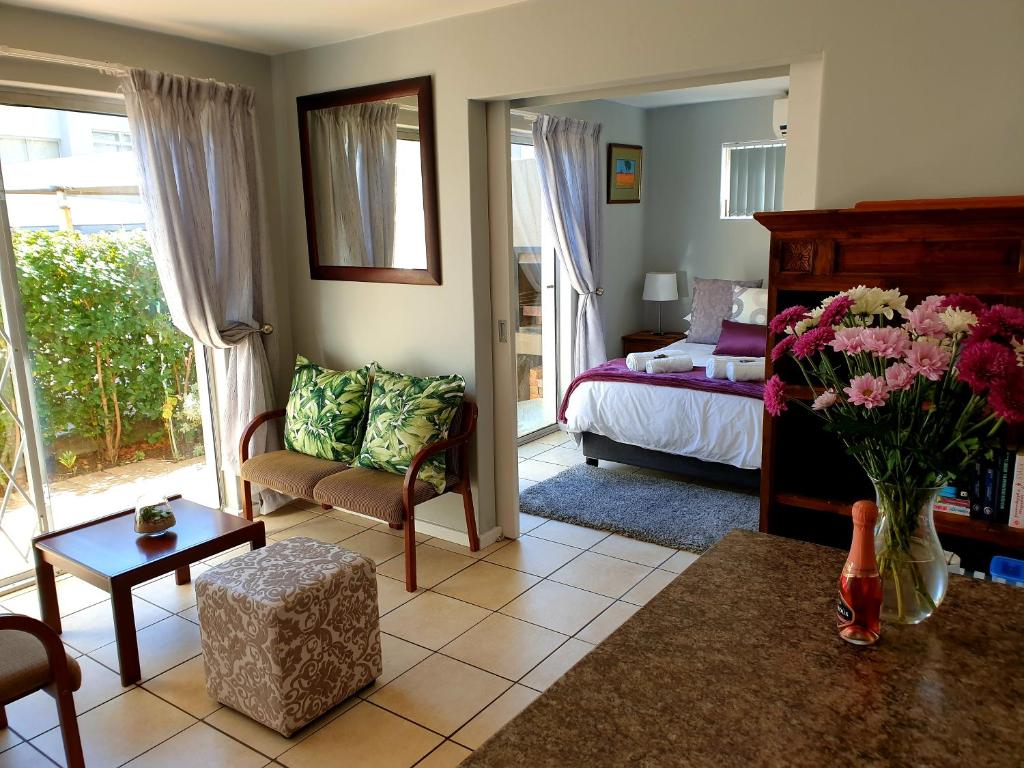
[660, 287]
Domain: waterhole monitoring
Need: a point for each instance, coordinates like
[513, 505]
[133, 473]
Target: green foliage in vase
[324, 417]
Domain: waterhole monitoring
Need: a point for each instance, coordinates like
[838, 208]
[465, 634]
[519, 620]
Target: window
[752, 173]
[112, 141]
[20, 149]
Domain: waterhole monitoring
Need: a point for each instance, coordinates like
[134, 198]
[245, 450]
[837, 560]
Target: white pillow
[749, 305]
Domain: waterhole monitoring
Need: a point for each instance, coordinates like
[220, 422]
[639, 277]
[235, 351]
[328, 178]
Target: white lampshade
[661, 286]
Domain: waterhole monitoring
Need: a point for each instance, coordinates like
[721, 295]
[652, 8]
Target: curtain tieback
[233, 333]
[595, 292]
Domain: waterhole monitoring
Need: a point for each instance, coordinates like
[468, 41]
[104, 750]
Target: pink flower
[780, 349]
[813, 341]
[849, 340]
[1007, 397]
[836, 310]
[999, 321]
[899, 377]
[925, 321]
[932, 304]
[983, 363]
[928, 359]
[775, 396]
[787, 318]
[963, 301]
[885, 342]
[825, 400]
[868, 391]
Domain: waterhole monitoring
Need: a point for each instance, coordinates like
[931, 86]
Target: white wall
[683, 228]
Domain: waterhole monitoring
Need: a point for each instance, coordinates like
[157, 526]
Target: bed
[714, 435]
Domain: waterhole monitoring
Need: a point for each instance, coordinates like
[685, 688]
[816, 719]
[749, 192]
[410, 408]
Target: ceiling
[746, 89]
[267, 26]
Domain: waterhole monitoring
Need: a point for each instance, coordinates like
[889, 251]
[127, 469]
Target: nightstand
[648, 341]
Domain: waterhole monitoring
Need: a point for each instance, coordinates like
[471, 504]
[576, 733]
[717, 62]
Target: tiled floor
[492, 630]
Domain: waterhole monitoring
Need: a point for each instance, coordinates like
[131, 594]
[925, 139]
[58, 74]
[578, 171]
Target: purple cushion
[742, 339]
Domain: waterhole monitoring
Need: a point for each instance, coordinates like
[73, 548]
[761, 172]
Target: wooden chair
[32, 658]
[385, 496]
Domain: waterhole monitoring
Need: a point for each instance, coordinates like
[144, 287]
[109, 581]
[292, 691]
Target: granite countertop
[737, 663]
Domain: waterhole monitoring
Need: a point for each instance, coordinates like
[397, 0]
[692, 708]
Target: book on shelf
[1016, 512]
[994, 489]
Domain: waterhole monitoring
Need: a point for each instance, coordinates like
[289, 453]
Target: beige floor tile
[385, 528]
[605, 575]
[351, 517]
[532, 555]
[123, 728]
[72, 595]
[487, 585]
[524, 484]
[263, 739]
[93, 627]
[8, 738]
[530, 450]
[600, 628]
[433, 565]
[289, 515]
[161, 646]
[535, 470]
[491, 720]
[557, 606]
[230, 554]
[23, 756]
[635, 551]
[566, 533]
[441, 694]
[205, 746]
[170, 596]
[34, 714]
[184, 686]
[399, 656]
[364, 736]
[566, 455]
[679, 562]
[557, 664]
[432, 620]
[375, 545]
[649, 587]
[391, 593]
[555, 438]
[505, 646]
[460, 549]
[323, 528]
[528, 522]
[448, 755]
[192, 614]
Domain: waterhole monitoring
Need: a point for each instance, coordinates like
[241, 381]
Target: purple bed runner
[616, 370]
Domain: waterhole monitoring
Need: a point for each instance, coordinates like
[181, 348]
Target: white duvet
[684, 422]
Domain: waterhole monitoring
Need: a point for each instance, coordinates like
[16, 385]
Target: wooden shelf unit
[923, 247]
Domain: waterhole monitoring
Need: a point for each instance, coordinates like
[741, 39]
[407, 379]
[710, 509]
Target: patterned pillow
[712, 303]
[324, 417]
[749, 305]
[407, 413]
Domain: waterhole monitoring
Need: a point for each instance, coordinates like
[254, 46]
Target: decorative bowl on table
[153, 515]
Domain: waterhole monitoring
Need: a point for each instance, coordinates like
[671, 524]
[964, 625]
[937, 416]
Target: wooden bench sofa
[382, 495]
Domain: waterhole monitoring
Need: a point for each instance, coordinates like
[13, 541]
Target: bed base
[597, 447]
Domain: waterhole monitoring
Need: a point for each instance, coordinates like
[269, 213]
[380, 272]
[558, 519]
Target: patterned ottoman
[289, 630]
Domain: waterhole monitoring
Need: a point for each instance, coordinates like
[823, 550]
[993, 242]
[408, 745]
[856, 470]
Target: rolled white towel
[746, 370]
[637, 361]
[715, 368]
[674, 364]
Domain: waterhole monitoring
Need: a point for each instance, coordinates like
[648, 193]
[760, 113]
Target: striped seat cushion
[295, 474]
[370, 492]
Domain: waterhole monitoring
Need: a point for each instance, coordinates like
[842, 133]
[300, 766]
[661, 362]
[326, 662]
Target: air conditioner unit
[780, 117]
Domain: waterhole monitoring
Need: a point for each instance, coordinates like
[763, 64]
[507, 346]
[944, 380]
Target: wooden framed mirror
[369, 181]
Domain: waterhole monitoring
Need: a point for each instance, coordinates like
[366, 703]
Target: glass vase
[909, 554]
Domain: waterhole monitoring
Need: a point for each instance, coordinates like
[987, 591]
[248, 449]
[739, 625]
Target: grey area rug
[673, 513]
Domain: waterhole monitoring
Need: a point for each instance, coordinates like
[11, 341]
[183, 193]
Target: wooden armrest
[469, 413]
[56, 655]
[250, 430]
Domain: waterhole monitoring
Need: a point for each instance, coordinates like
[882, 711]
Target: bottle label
[844, 612]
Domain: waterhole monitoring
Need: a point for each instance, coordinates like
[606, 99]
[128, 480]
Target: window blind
[752, 175]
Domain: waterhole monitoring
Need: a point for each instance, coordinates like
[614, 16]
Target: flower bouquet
[916, 396]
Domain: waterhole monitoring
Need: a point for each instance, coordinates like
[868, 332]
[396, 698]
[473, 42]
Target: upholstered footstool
[289, 630]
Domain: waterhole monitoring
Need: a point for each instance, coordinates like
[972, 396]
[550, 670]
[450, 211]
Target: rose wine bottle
[860, 587]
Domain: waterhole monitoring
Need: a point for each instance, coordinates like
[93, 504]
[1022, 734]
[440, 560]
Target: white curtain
[352, 154]
[569, 162]
[199, 165]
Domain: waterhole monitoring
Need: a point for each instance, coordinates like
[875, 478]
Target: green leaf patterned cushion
[324, 417]
[407, 413]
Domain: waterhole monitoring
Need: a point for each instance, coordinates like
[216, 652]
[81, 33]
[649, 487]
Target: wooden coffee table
[109, 554]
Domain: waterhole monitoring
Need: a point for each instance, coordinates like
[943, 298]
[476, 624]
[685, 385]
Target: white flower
[1018, 348]
[825, 400]
[875, 301]
[958, 321]
[811, 321]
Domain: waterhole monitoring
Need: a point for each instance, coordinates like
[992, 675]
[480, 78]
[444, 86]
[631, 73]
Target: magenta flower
[825, 400]
[836, 311]
[849, 340]
[925, 321]
[813, 341]
[983, 363]
[963, 301]
[928, 359]
[999, 322]
[780, 349]
[899, 377]
[787, 318]
[867, 391]
[1007, 396]
[775, 396]
[885, 342]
